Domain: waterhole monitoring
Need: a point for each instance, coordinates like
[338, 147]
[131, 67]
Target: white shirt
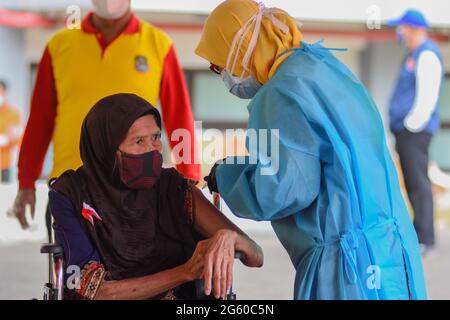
[428, 82]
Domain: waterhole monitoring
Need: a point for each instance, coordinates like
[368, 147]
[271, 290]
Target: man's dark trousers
[413, 149]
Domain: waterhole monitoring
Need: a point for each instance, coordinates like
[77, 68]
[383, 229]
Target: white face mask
[242, 86]
[110, 9]
[2, 100]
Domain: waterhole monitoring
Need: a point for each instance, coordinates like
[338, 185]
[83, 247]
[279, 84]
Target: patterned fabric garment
[80, 251]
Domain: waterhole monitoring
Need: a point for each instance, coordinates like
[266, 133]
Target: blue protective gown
[335, 201]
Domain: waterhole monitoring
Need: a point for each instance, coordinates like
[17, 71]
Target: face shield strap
[256, 19]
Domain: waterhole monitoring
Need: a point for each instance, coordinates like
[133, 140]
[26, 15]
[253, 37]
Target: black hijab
[141, 231]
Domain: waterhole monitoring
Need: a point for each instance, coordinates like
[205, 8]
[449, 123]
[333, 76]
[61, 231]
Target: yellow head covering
[228, 18]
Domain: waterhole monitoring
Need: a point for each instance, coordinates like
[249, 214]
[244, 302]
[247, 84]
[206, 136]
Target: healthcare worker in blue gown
[331, 190]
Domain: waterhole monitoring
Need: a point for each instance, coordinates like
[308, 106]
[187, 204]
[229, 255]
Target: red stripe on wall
[23, 19]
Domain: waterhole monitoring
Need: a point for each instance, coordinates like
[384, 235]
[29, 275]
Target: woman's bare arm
[224, 239]
[209, 220]
[142, 287]
[149, 286]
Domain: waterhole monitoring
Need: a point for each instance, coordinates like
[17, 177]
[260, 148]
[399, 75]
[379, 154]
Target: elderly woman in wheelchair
[136, 230]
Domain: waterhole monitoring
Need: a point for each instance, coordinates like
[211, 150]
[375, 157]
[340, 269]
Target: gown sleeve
[280, 181]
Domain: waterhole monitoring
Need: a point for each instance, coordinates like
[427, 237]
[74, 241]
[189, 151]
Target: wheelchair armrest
[239, 255]
[51, 248]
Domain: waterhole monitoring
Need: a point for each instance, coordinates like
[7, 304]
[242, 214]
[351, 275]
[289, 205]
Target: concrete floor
[23, 271]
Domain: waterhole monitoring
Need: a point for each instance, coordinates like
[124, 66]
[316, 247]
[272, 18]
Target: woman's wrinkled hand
[219, 259]
[194, 267]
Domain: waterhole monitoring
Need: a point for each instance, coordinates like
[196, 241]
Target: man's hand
[24, 198]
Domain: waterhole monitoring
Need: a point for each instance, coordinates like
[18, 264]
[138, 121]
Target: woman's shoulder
[68, 176]
[69, 184]
[58, 188]
[171, 174]
[174, 182]
[174, 176]
[176, 196]
[168, 172]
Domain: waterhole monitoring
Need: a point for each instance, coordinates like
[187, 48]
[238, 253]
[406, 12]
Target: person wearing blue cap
[414, 116]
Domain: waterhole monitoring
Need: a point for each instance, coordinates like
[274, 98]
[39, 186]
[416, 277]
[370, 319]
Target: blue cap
[412, 18]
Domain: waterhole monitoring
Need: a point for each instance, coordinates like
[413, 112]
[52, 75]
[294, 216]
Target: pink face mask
[140, 171]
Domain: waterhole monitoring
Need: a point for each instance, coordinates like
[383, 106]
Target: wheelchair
[54, 288]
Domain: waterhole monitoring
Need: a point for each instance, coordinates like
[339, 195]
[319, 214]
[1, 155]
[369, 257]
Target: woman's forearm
[253, 253]
[144, 287]
[208, 220]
